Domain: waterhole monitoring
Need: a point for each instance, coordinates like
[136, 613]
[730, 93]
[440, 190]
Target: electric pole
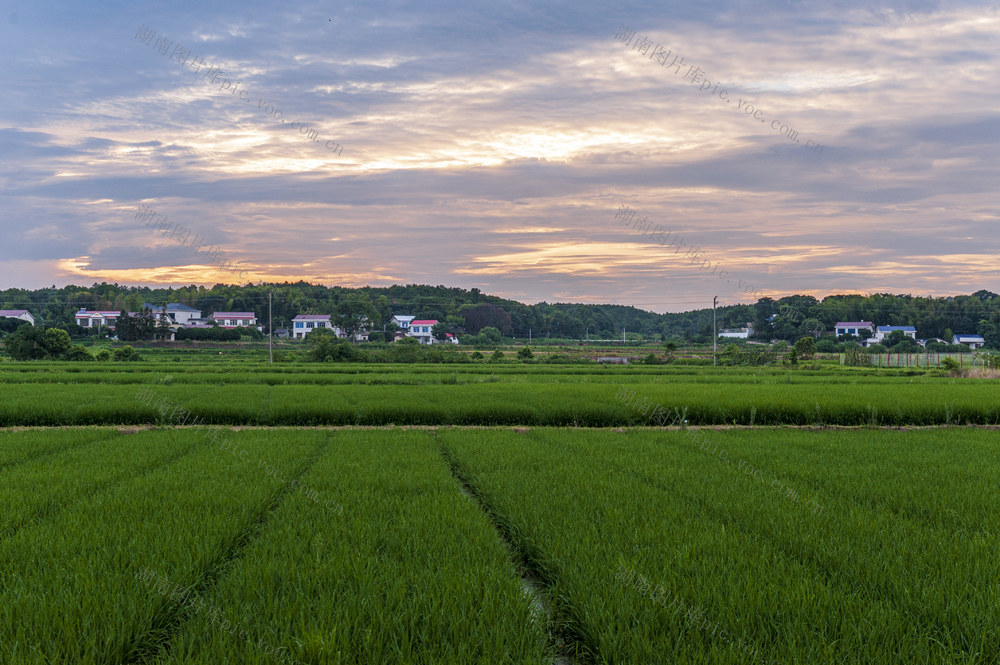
[715, 335]
[270, 330]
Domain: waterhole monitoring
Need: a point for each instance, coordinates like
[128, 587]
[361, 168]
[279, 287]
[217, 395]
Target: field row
[207, 545]
[554, 404]
[223, 372]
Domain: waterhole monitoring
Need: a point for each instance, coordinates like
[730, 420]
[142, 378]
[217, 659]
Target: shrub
[78, 353]
[126, 354]
[497, 356]
[652, 359]
[103, 355]
[524, 353]
[476, 355]
[950, 364]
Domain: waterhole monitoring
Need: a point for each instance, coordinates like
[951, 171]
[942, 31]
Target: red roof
[423, 322]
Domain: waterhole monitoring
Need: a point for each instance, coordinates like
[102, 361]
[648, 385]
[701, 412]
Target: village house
[854, 328]
[972, 341]
[737, 333]
[420, 330]
[95, 319]
[403, 321]
[883, 332]
[22, 314]
[234, 319]
[303, 324]
[176, 312]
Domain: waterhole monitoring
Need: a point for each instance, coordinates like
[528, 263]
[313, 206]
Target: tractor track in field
[131, 429]
[55, 504]
[154, 642]
[570, 646]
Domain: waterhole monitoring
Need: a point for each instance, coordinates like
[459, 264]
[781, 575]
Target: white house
[420, 330]
[303, 324]
[234, 319]
[854, 328]
[403, 321]
[97, 318]
[972, 341]
[22, 314]
[884, 331]
[176, 312]
[738, 333]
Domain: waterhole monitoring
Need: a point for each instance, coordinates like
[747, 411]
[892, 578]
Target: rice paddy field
[182, 513]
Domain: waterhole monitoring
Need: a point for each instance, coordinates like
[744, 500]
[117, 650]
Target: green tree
[135, 328]
[497, 356]
[489, 335]
[805, 347]
[26, 343]
[441, 330]
[524, 353]
[355, 314]
[812, 327]
[56, 342]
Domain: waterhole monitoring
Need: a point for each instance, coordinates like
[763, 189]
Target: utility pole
[270, 330]
[623, 336]
[529, 336]
[715, 335]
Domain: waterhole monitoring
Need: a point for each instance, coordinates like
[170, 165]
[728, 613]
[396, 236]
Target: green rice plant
[18, 446]
[68, 587]
[734, 569]
[409, 572]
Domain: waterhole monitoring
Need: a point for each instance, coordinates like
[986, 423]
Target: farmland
[176, 512]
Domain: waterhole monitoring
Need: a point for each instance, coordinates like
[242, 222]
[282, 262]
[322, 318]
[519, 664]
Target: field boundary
[132, 429]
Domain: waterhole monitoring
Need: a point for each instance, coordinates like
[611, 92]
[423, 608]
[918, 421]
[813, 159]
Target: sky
[530, 150]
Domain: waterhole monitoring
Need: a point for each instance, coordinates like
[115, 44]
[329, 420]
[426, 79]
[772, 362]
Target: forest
[469, 311]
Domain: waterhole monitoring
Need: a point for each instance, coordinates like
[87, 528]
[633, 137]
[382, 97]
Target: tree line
[469, 312]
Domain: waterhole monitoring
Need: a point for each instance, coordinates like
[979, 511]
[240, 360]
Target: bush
[826, 345]
[126, 354]
[497, 356]
[376, 336]
[78, 353]
[103, 355]
[950, 364]
[476, 356]
[652, 359]
[524, 353]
